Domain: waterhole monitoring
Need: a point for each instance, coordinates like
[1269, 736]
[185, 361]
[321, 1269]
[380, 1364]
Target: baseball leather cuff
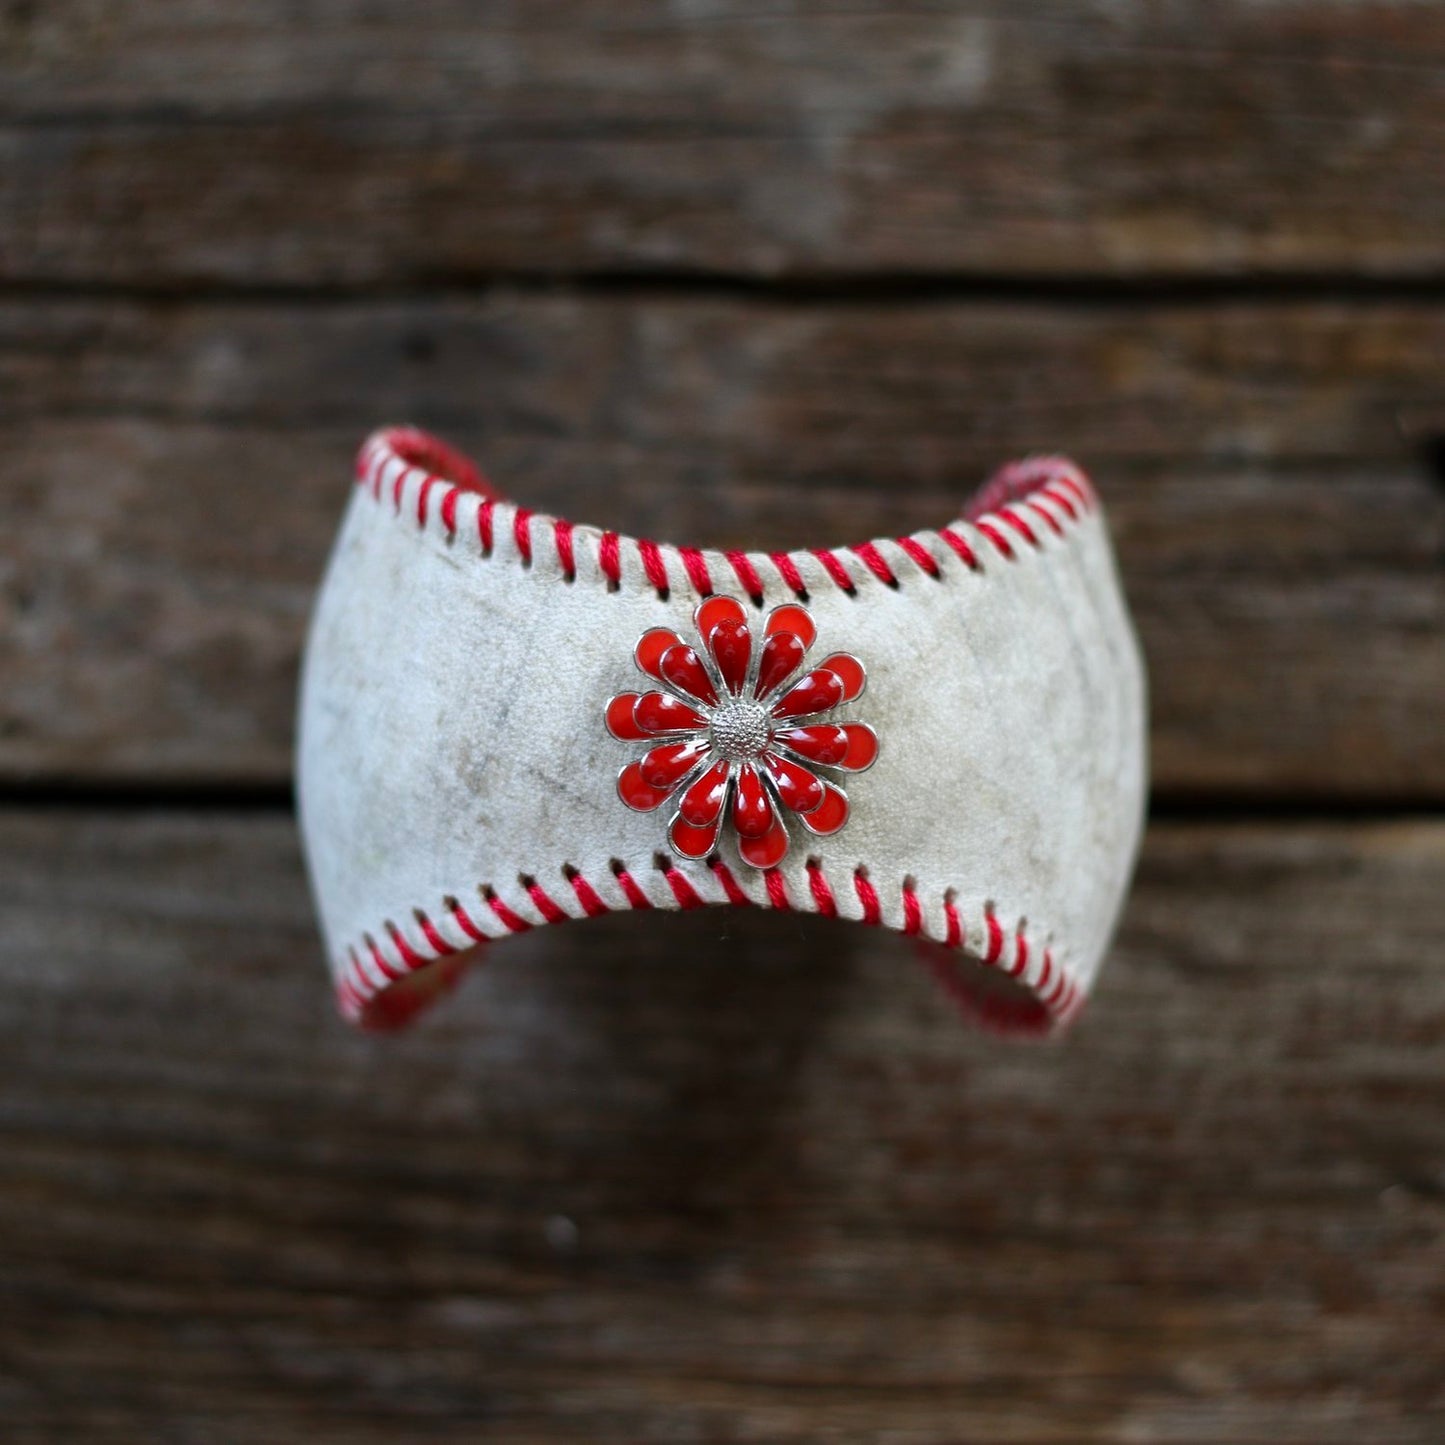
[507, 720]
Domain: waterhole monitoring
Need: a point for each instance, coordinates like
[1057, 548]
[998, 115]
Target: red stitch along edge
[609, 558]
[505, 916]
[697, 573]
[875, 562]
[654, 567]
[687, 896]
[587, 895]
[562, 539]
[362, 993]
[919, 555]
[546, 906]
[823, 898]
[449, 510]
[1048, 518]
[409, 452]
[995, 536]
[522, 534]
[835, 569]
[965, 553]
[868, 897]
[746, 574]
[912, 913]
[995, 938]
[433, 938]
[788, 571]
[464, 921]
[1019, 525]
[421, 499]
[777, 889]
[636, 898]
[724, 875]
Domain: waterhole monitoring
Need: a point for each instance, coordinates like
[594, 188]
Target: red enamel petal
[683, 668]
[665, 767]
[797, 787]
[862, 747]
[752, 813]
[712, 610]
[656, 712]
[817, 692]
[703, 802]
[650, 648]
[782, 654]
[619, 718]
[830, 814]
[850, 673]
[731, 645]
[692, 841]
[791, 617]
[767, 851]
[636, 792]
[822, 743]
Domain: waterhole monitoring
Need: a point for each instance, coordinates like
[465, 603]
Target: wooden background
[712, 270]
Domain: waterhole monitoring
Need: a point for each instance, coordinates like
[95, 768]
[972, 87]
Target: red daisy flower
[736, 732]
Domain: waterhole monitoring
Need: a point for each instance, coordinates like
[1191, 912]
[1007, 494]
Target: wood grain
[719, 1177]
[350, 144]
[175, 471]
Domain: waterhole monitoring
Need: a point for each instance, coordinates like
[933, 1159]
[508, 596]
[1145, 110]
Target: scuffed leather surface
[451, 733]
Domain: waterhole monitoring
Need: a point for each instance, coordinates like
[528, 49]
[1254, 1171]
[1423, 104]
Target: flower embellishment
[734, 731]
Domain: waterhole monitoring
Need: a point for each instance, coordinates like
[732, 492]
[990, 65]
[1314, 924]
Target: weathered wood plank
[174, 474]
[721, 1176]
[347, 143]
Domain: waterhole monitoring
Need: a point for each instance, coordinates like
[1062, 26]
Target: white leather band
[456, 781]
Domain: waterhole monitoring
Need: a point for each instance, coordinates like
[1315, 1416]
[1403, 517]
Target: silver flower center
[740, 729]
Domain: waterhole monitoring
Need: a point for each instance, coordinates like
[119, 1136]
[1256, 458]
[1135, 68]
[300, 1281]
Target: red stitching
[724, 875]
[609, 558]
[920, 555]
[505, 916]
[546, 906]
[1051, 521]
[379, 959]
[966, 554]
[912, 913]
[449, 511]
[653, 565]
[1001, 502]
[875, 562]
[562, 537]
[522, 535]
[362, 989]
[995, 536]
[429, 932]
[636, 898]
[835, 569]
[696, 566]
[1021, 953]
[464, 922]
[788, 571]
[822, 894]
[421, 498]
[867, 896]
[587, 895]
[746, 574]
[777, 889]
[995, 938]
[687, 896]
[1019, 525]
[954, 935]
